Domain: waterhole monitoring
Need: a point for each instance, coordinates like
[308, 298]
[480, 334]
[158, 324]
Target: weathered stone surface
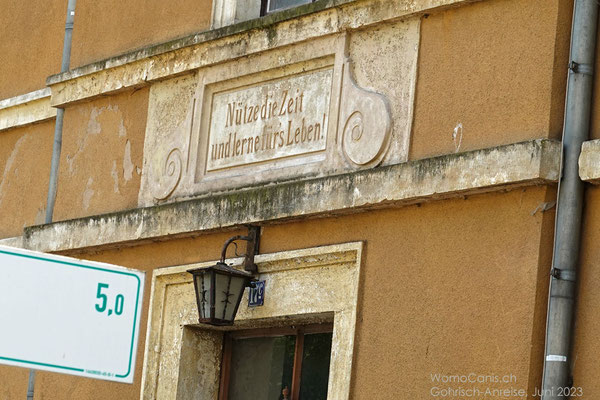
[171, 106]
[589, 162]
[387, 70]
[12, 242]
[180, 353]
[25, 98]
[527, 163]
[294, 112]
[26, 109]
[365, 121]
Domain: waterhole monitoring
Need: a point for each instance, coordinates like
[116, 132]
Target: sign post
[69, 316]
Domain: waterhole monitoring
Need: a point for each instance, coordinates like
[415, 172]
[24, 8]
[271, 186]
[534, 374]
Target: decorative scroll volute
[365, 123]
[170, 174]
[171, 166]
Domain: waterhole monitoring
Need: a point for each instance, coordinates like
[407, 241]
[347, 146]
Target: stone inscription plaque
[272, 120]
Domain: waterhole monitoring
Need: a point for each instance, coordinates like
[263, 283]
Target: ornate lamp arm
[253, 239]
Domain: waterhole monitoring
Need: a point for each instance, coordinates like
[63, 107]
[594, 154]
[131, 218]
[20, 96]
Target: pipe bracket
[564, 274]
[577, 68]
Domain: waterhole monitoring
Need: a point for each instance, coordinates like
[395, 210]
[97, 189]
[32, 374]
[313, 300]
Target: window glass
[315, 366]
[275, 5]
[261, 367]
[277, 363]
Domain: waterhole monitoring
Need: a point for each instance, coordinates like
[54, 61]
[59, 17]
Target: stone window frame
[229, 12]
[182, 358]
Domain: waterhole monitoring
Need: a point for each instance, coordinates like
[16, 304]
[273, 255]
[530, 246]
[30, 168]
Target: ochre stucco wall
[448, 287]
[25, 155]
[101, 158]
[476, 303]
[587, 319]
[32, 37]
[496, 67]
[115, 26]
[31, 44]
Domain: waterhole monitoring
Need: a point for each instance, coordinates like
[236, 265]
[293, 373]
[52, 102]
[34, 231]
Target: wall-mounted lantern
[219, 288]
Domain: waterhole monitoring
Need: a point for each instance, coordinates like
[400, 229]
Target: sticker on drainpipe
[553, 357]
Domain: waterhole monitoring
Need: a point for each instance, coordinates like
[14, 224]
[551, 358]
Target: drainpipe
[52, 186]
[66, 58]
[567, 232]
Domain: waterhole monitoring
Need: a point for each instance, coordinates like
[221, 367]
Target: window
[269, 6]
[277, 364]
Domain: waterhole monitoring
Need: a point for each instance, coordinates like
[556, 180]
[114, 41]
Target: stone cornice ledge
[12, 241]
[26, 109]
[520, 164]
[157, 62]
[589, 162]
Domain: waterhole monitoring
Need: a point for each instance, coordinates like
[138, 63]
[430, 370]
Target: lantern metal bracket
[253, 239]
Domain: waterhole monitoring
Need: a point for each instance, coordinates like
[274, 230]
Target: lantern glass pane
[207, 282]
[203, 282]
[237, 288]
[223, 298]
[229, 289]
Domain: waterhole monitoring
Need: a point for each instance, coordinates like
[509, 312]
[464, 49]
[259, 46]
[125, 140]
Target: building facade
[400, 157]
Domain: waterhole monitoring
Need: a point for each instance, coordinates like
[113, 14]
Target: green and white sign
[67, 315]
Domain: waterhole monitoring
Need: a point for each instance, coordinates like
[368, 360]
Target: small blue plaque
[256, 295]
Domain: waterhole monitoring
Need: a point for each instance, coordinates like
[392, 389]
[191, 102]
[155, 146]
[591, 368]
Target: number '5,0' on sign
[67, 315]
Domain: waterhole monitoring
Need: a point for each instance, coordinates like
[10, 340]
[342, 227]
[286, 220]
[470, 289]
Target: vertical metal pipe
[563, 282]
[58, 126]
[53, 183]
[31, 384]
